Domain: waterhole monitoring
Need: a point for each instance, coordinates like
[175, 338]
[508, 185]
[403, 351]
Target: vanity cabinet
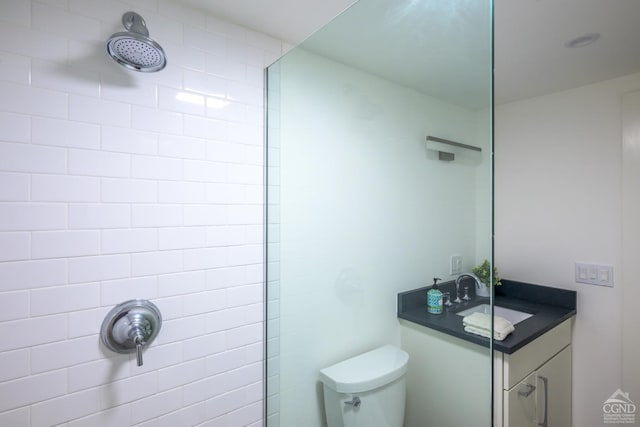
[533, 385]
[544, 397]
[447, 380]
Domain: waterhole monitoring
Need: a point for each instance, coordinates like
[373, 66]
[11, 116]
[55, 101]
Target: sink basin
[513, 316]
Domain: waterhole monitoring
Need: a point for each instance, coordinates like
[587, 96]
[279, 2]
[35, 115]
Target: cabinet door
[520, 404]
[554, 391]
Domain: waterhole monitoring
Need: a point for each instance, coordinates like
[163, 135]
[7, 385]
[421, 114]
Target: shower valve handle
[138, 340]
[131, 326]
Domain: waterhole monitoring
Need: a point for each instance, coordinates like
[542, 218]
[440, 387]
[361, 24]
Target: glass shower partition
[361, 207]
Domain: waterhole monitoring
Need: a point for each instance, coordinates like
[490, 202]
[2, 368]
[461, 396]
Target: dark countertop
[549, 306]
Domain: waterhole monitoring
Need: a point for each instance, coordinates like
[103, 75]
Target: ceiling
[530, 56]
[288, 20]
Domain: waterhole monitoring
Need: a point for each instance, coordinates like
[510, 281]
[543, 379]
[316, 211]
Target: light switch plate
[594, 274]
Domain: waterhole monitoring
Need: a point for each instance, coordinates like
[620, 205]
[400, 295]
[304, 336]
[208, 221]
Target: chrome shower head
[133, 49]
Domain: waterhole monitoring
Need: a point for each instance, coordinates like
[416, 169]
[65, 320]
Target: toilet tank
[367, 390]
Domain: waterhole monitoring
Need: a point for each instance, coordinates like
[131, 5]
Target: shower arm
[135, 23]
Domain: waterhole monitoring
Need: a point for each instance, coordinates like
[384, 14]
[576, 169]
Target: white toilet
[367, 390]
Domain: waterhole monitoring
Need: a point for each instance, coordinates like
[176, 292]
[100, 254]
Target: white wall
[558, 200]
[630, 241]
[117, 185]
[365, 212]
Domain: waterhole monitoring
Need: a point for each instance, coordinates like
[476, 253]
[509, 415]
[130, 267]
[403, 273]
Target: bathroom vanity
[532, 387]
[449, 369]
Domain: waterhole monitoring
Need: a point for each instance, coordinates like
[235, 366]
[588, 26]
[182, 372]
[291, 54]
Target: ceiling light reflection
[190, 98]
[216, 103]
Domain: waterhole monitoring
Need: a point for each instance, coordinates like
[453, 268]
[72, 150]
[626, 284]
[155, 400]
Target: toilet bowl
[367, 390]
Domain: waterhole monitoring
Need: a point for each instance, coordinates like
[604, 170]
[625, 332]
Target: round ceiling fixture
[583, 40]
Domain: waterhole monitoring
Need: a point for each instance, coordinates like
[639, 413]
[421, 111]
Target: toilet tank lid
[366, 371]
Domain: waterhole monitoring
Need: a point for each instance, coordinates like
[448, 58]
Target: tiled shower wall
[117, 185]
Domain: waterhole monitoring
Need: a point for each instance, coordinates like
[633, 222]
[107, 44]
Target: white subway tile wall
[117, 185]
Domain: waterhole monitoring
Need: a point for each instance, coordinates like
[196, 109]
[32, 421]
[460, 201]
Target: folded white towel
[480, 324]
[485, 333]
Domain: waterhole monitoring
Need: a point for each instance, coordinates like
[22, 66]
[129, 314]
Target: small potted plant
[483, 272]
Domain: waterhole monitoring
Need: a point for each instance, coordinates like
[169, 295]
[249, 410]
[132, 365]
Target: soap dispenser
[434, 298]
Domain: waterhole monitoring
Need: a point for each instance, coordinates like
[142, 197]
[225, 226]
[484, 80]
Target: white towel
[480, 324]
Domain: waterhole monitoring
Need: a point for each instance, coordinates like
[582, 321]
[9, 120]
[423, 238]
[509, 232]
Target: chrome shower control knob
[131, 326]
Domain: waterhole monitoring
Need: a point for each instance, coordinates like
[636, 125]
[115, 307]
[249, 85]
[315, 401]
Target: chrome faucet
[479, 284]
